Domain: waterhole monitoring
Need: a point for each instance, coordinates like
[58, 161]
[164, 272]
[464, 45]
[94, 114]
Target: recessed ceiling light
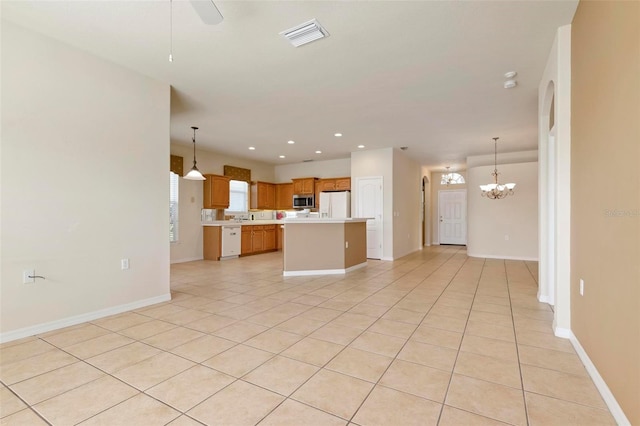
[291, 142]
[282, 156]
[318, 152]
[337, 135]
[360, 146]
[252, 148]
[510, 74]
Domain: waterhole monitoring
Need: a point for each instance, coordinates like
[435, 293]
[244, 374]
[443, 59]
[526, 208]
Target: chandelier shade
[194, 173]
[496, 190]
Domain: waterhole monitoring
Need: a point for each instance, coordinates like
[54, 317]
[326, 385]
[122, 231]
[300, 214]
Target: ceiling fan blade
[208, 11]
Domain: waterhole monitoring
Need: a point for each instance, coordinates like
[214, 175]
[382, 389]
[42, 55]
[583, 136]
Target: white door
[452, 206]
[369, 204]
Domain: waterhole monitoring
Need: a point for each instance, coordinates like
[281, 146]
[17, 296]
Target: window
[238, 197]
[173, 207]
[452, 179]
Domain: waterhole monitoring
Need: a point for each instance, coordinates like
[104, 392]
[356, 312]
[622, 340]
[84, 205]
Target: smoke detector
[305, 33]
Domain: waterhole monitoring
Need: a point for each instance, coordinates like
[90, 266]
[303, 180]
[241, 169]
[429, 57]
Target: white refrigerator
[335, 205]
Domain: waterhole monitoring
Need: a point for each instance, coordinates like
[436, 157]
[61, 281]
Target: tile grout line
[377, 383]
[28, 406]
[515, 336]
[446, 393]
[346, 346]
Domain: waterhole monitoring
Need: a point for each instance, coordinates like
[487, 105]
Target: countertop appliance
[231, 240]
[335, 205]
[305, 201]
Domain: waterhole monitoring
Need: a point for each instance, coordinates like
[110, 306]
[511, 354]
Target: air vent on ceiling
[305, 33]
[307, 161]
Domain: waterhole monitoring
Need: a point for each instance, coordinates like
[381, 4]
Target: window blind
[238, 197]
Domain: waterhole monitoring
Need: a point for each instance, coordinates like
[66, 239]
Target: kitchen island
[324, 246]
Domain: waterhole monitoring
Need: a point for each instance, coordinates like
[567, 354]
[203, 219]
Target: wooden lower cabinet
[270, 237]
[279, 237]
[212, 242]
[257, 239]
[246, 245]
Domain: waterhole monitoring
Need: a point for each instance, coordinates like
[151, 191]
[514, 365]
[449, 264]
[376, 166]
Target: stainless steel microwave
[304, 201]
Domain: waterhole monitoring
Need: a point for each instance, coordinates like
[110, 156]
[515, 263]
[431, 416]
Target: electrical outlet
[581, 287]
[506, 237]
[26, 274]
[124, 264]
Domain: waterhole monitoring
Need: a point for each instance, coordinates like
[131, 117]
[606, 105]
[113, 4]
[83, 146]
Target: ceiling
[426, 75]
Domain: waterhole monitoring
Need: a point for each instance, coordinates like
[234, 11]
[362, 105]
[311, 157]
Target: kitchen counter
[283, 221]
[244, 222]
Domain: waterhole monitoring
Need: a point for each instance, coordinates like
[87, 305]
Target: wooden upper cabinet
[327, 184]
[343, 184]
[263, 195]
[216, 192]
[284, 196]
[304, 186]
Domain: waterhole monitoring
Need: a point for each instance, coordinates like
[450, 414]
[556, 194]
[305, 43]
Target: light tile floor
[433, 338]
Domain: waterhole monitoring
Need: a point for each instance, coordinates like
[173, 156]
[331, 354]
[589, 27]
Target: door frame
[466, 222]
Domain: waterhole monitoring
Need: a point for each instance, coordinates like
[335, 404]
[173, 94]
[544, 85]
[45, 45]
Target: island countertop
[284, 221]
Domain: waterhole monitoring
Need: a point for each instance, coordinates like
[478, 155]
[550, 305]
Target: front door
[369, 204]
[452, 206]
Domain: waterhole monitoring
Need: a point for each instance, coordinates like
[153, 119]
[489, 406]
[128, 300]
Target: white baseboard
[602, 387]
[323, 271]
[491, 256]
[544, 299]
[565, 333]
[387, 258]
[78, 319]
[187, 259]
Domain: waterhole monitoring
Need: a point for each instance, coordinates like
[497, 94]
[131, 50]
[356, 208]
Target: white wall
[85, 153]
[489, 221]
[401, 187]
[189, 244]
[371, 163]
[320, 169]
[554, 212]
[407, 199]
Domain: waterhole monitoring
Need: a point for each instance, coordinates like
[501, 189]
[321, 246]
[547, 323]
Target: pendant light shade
[194, 173]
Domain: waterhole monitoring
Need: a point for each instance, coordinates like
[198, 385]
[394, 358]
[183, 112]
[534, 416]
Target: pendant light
[194, 173]
[496, 191]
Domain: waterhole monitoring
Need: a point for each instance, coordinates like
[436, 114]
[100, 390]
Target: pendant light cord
[194, 145]
[495, 158]
[170, 30]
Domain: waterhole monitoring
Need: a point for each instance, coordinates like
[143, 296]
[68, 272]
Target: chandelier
[495, 190]
[447, 178]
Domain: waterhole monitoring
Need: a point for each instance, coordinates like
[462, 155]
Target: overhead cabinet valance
[238, 173]
[176, 165]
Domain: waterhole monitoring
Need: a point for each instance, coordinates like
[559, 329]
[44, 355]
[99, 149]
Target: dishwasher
[231, 241]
